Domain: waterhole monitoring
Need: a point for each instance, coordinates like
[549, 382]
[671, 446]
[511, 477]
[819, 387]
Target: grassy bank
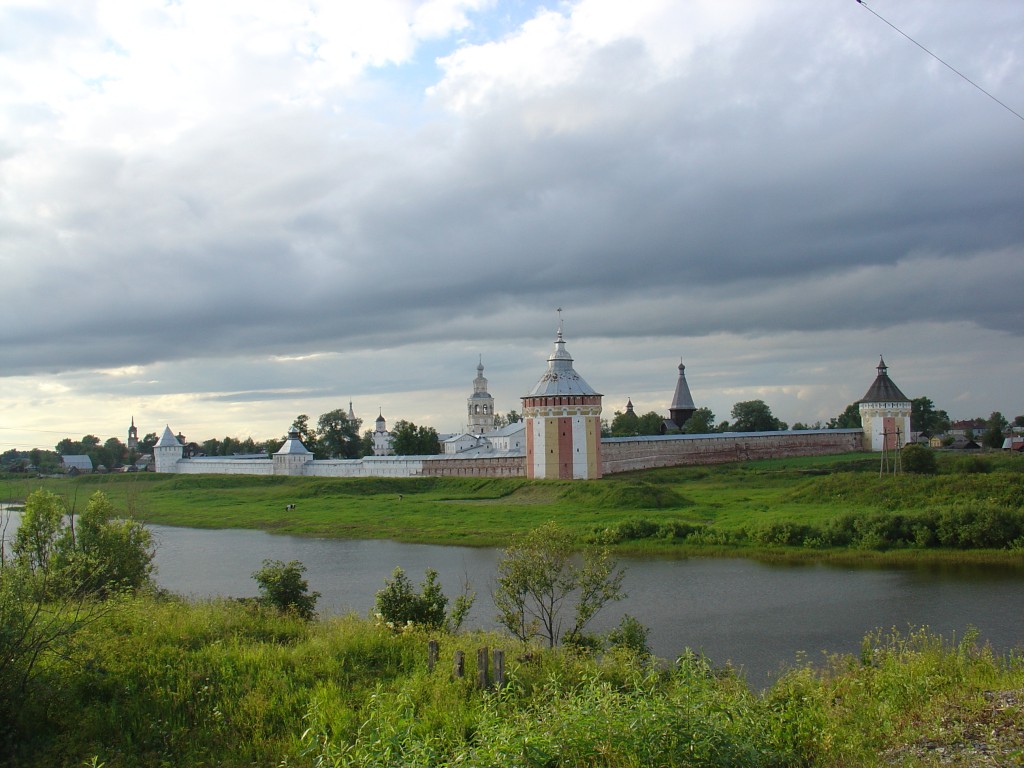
[822, 507]
[170, 683]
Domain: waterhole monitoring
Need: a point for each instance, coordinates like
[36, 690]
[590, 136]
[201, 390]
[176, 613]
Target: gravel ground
[993, 736]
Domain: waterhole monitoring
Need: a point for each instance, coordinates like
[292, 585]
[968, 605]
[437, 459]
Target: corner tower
[480, 405]
[682, 407]
[562, 415]
[884, 413]
[167, 452]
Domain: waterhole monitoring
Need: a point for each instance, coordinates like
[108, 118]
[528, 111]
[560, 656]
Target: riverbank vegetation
[157, 681]
[814, 507]
[101, 670]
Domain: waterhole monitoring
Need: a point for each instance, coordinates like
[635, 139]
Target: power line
[942, 62]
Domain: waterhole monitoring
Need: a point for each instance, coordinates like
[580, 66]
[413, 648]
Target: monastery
[560, 438]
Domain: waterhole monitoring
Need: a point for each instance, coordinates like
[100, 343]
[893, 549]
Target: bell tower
[480, 405]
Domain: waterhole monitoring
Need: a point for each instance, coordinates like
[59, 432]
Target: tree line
[756, 416]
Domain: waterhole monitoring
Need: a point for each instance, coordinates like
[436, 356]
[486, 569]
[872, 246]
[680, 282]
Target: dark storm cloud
[815, 172]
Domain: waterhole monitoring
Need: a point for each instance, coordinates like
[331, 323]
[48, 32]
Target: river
[755, 616]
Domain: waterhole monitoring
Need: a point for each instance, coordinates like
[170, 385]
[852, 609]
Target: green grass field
[815, 507]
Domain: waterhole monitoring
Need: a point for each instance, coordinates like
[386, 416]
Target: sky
[217, 215]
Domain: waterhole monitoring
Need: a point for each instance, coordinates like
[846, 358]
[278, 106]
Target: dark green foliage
[925, 418]
[918, 459]
[701, 422]
[630, 635]
[407, 439]
[848, 419]
[754, 416]
[283, 587]
[400, 605]
[972, 465]
[337, 436]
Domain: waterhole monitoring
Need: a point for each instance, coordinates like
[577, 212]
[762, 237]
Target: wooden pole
[460, 664]
[481, 667]
[433, 649]
[499, 668]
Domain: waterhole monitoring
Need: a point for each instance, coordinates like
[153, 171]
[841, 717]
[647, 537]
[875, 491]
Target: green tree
[114, 453]
[650, 423]
[702, 422]
[409, 440]
[36, 539]
[338, 435]
[995, 430]
[283, 587]
[543, 574]
[503, 420]
[307, 434]
[625, 424]
[103, 552]
[925, 418]
[848, 419]
[754, 416]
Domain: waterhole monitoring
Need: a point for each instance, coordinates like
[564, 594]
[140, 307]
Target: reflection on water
[756, 616]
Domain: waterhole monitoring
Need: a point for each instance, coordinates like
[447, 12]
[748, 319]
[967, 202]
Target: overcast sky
[219, 214]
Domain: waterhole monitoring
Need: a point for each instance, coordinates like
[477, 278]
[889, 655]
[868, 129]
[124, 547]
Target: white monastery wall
[617, 454]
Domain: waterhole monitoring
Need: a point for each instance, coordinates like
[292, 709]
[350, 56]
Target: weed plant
[164, 682]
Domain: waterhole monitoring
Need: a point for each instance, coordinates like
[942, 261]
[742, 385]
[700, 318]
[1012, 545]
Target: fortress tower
[480, 405]
[682, 407]
[167, 452]
[292, 457]
[563, 422]
[884, 414]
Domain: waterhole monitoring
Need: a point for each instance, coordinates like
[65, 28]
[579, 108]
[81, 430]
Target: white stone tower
[167, 452]
[292, 457]
[563, 422]
[884, 414]
[480, 405]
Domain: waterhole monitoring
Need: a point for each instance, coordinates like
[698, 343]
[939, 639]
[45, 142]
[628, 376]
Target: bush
[918, 460]
[972, 465]
[282, 587]
[400, 605]
[630, 635]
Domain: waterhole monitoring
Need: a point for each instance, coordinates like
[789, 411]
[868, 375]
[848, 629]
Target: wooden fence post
[460, 664]
[432, 652]
[499, 668]
[481, 667]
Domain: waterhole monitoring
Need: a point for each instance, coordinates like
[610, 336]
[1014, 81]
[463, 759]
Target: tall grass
[172, 683]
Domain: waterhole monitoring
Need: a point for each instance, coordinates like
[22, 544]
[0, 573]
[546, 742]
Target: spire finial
[559, 311]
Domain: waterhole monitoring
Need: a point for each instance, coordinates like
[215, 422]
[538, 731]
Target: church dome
[560, 379]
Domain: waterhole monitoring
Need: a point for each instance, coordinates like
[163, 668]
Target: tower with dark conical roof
[480, 405]
[682, 406]
[133, 436]
[884, 413]
[562, 415]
